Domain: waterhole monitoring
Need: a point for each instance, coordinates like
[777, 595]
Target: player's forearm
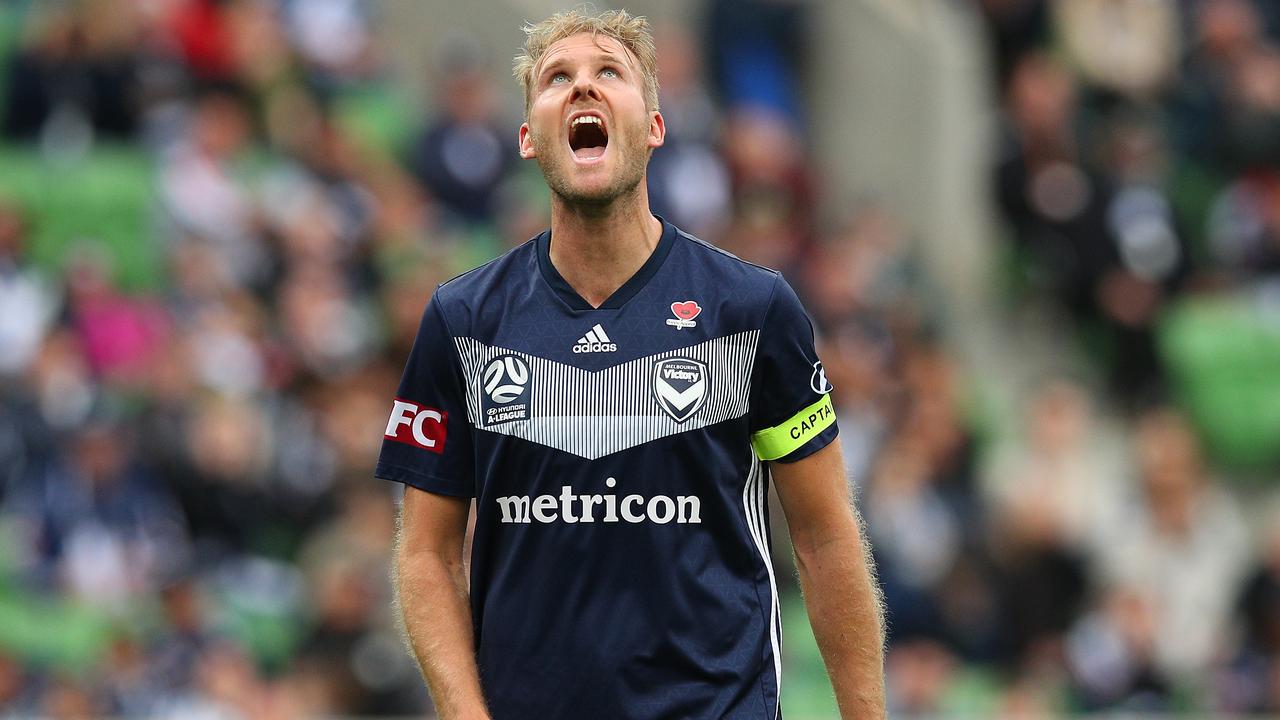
[432, 594]
[844, 608]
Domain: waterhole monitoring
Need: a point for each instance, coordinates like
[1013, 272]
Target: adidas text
[595, 347]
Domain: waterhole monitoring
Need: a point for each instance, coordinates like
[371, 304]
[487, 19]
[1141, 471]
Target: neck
[597, 248]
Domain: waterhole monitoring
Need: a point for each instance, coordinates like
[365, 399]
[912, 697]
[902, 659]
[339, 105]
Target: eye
[609, 72]
[558, 78]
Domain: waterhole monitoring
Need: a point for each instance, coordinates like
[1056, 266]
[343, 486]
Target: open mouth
[588, 137]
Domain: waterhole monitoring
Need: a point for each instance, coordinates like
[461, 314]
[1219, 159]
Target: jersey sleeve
[791, 413]
[427, 441]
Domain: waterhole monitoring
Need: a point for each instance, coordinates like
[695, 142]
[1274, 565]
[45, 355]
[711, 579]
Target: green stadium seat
[1224, 360]
[107, 198]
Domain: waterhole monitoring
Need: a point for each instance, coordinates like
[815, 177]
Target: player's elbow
[837, 530]
[424, 564]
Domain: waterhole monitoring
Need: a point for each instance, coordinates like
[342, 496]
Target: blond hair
[631, 31]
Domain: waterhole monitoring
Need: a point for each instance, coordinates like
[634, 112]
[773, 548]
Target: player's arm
[427, 447]
[837, 578]
[431, 591]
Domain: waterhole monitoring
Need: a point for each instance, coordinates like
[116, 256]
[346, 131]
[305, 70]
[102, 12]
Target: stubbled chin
[588, 181]
[586, 184]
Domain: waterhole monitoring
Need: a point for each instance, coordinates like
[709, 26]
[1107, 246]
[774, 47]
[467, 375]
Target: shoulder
[725, 261]
[480, 297]
[750, 283]
[492, 281]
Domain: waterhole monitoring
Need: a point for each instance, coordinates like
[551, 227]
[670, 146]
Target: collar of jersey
[622, 294]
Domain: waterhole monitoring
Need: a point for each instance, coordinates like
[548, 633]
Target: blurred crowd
[1098, 559]
[189, 523]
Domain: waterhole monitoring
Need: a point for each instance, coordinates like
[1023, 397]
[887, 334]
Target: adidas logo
[595, 341]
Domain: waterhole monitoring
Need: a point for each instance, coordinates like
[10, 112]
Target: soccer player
[615, 396]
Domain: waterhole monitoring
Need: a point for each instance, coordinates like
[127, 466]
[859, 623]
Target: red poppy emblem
[686, 310]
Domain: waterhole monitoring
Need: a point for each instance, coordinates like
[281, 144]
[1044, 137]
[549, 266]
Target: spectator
[1183, 545]
[75, 76]
[1141, 46]
[1111, 654]
[201, 192]
[27, 302]
[1251, 686]
[98, 528]
[1059, 482]
[463, 157]
[688, 181]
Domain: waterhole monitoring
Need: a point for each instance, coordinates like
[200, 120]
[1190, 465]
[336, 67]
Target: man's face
[588, 125]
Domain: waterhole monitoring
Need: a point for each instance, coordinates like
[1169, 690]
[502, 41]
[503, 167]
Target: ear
[657, 130]
[526, 142]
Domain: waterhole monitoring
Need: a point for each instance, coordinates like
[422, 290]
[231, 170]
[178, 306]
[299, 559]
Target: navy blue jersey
[620, 565]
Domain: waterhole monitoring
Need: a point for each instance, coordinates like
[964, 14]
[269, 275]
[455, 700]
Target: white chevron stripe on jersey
[593, 414]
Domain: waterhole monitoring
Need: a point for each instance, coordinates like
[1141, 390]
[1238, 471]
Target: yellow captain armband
[784, 438]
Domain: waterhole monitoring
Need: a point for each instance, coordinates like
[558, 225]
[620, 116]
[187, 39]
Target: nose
[583, 87]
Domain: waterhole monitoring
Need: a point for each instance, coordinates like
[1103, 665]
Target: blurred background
[1040, 240]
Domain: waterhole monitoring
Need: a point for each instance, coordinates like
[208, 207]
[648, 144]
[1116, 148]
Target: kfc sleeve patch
[417, 425]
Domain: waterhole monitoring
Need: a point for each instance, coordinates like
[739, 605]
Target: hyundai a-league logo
[680, 386]
[505, 385]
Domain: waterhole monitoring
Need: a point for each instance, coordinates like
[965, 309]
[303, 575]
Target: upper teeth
[585, 119]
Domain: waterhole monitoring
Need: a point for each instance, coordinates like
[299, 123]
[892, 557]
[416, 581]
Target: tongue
[589, 153]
